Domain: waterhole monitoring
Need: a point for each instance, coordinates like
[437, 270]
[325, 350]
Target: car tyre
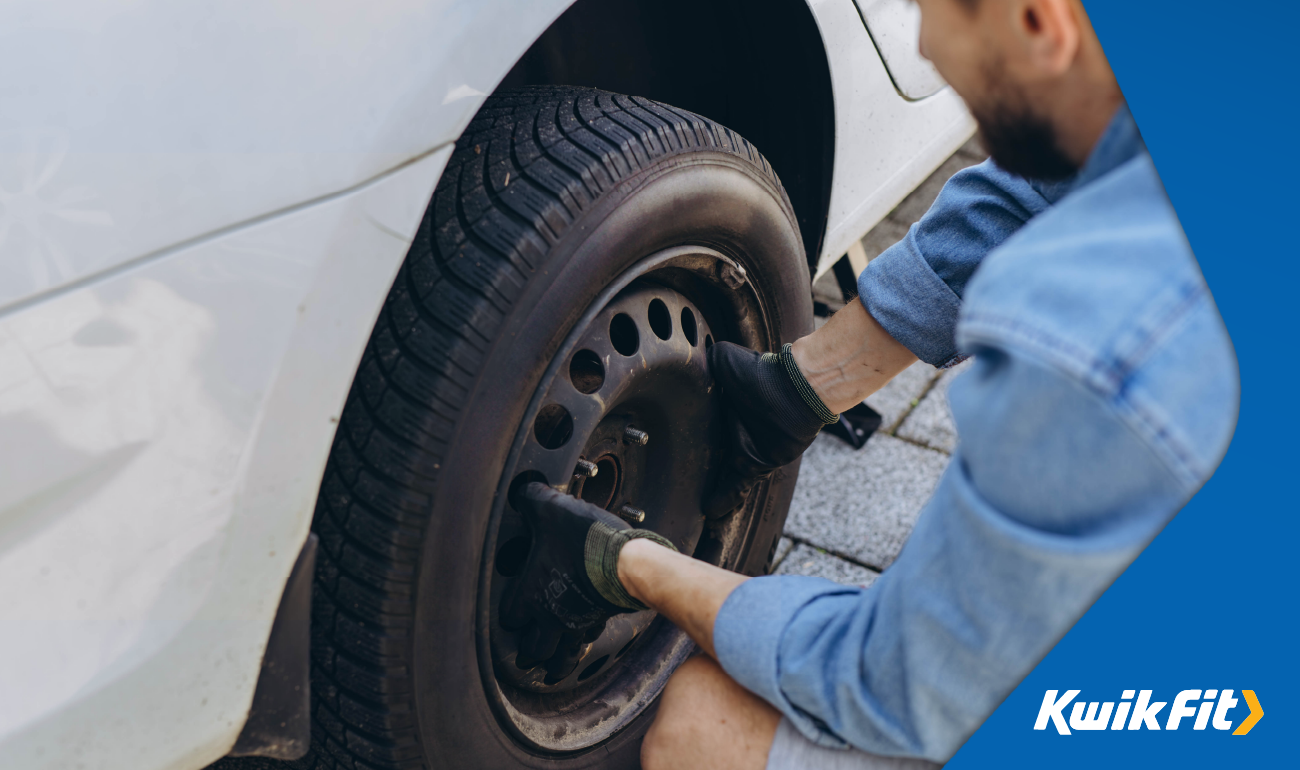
[556, 202]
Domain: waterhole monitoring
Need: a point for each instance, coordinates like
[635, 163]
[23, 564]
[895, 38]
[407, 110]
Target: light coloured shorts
[792, 751]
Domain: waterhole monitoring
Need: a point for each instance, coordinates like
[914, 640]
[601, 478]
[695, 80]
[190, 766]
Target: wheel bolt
[586, 468]
[634, 436]
[631, 515]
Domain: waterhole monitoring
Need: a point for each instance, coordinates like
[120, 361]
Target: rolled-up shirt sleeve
[1025, 529]
[914, 288]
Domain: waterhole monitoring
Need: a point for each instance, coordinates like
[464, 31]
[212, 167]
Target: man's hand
[773, 415]
[569, 585]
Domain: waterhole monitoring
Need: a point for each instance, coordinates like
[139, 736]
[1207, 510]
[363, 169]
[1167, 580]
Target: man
[1103, 394]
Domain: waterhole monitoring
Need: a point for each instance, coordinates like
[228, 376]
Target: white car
[272, 268]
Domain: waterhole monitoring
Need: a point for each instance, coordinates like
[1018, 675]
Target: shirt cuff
[747, 638]
[905, 296]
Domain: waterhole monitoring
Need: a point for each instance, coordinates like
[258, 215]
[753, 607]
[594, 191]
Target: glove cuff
[603, 546]
[806, 391]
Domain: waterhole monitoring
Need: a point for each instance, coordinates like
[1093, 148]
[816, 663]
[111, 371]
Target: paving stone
[900, 394]
[931, 421]
[862, 503]
[806, 560]
[783, 548]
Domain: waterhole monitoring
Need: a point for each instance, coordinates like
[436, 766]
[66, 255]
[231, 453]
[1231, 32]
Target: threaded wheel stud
[631, 515]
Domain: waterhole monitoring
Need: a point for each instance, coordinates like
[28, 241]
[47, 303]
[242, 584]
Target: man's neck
[1084, 102]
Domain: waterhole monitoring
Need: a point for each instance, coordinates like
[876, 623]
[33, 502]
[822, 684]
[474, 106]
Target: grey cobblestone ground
[854, 509]
[807, 560]
[861, 504]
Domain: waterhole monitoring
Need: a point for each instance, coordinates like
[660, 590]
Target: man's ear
[1049, 31]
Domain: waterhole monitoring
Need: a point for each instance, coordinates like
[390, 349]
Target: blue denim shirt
[1103, 394]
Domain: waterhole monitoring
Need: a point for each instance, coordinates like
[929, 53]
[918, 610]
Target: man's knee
[706, 719]
[673, 729]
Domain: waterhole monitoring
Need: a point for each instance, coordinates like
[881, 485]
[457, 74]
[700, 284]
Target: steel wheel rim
[589, 706]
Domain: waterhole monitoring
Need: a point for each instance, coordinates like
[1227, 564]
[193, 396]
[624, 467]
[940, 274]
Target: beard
[1017, 138]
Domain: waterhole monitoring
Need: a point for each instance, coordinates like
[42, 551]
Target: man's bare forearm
[686, 591]
[850, 358]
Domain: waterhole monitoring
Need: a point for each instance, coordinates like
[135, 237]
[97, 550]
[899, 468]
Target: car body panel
[201, 211]
[885, 145]
[895, 27]
[165, 433]
[132, 126]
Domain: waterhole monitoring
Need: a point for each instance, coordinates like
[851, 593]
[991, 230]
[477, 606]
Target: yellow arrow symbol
[1256, 713]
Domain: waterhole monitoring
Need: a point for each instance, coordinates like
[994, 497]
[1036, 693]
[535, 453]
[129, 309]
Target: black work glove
[773, 415]
[569, 585]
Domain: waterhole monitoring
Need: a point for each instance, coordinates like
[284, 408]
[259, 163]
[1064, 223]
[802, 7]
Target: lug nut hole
[708, 341]
[595, 666]
[624, 335]
[661, 321]
[553, 427]
[586, 371]
[689, 327]
[517, 485]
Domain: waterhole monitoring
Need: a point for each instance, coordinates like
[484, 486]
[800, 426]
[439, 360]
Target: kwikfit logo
[1144, 713]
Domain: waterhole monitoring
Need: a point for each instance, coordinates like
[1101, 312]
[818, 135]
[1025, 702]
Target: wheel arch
[757, 67]
[760, 69]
